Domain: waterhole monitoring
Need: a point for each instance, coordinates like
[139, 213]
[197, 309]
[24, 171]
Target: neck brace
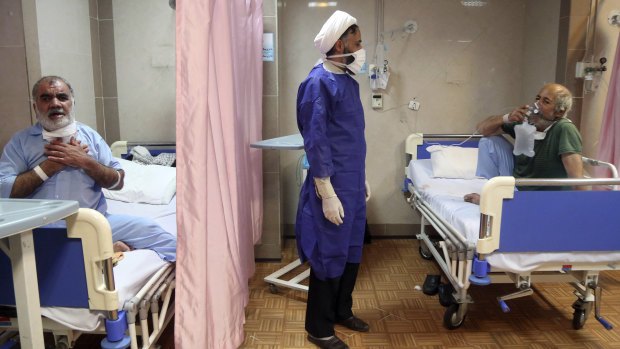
[64, 132]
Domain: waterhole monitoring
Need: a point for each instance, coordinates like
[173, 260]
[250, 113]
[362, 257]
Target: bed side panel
[561, 221]
[60, 270]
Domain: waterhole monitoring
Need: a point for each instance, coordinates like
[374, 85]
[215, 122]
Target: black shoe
[445, 294]
[356, 324]
[431, 284]
[332, 343]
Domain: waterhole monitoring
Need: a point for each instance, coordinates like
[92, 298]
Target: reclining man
[557, 144]
[59, 158]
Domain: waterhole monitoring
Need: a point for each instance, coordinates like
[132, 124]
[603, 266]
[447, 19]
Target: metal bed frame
[463, 263]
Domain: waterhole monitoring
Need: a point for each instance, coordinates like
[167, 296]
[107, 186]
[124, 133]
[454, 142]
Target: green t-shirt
[562, 138]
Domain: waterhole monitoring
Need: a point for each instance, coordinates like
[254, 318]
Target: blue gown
[330, 118]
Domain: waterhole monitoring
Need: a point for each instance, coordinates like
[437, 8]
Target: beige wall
[65, 50]
[145, 68]
[539, 53]
[462, 65]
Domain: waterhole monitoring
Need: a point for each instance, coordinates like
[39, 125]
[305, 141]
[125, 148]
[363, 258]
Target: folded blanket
[142, 156]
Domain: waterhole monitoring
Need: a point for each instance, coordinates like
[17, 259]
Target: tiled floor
[401, 317]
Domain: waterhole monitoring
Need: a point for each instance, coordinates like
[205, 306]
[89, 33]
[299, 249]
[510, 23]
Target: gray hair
[563, 101]
[51, 79]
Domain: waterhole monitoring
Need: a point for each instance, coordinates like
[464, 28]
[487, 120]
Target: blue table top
[18, 215]
[290, 142]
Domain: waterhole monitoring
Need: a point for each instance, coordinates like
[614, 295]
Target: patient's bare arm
[574, 168]
[27, 182]
[492, 126]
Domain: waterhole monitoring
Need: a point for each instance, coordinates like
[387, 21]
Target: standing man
[331, 215]
[61, 159]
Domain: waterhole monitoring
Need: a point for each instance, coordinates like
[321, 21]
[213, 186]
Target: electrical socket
[414, 105]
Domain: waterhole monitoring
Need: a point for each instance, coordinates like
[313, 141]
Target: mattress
[130, 274]
[445, 196]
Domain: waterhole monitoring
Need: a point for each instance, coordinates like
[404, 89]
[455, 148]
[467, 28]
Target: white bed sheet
[445, 196]
[130, 274]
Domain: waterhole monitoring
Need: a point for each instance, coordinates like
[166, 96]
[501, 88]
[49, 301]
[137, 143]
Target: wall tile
[94, 42]
[271, 217]
[401, 229]
[270, 69]
[580, 7]
[13, 71]
[11, 25]
[270, 117]
[105, 9]
[575, 85]
[108, 59]
[100, 116]
[577, 32]
[575, 114]
[565, 8]
[108, 78]
[271, 158]
[92, 9]
[563, 44]
[112, 125]
[270, 79]
[106, 37]
[269, 7]
[376, 229]
[15, 102]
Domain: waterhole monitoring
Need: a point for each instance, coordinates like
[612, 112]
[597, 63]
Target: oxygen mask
[532, 111]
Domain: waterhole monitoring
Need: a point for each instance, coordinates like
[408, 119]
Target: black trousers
[330, 301]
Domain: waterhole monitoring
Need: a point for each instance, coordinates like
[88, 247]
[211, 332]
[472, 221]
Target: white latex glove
[333, 210]
[367, 190]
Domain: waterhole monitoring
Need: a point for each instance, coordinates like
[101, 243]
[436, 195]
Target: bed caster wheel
[579, 319]
[425, 252]
[582, 310]
[454, 316]
[273, 289]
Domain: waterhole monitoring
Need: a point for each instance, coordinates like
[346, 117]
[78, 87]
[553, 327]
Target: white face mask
[357, 64]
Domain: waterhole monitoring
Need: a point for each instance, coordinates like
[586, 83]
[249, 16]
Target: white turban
[332, 30]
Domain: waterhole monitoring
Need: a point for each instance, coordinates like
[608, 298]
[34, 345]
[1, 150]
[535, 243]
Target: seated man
[59, 158]
[557, 145]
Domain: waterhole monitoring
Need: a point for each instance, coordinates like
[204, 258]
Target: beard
[52, 125]
[348, 59]
[542, 123]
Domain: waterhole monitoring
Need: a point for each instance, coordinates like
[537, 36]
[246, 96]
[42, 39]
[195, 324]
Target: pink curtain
[609, 144]
[219, 178]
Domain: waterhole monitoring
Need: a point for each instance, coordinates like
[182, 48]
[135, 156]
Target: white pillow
[150, 184]
[453, 161]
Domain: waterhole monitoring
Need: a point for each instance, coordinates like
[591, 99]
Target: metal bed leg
[585, 298]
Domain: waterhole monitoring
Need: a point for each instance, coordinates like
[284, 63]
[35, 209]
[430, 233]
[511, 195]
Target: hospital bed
[519, 237]
[80, 292]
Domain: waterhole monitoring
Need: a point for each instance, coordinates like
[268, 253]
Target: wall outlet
[414, 105]
[377, 101]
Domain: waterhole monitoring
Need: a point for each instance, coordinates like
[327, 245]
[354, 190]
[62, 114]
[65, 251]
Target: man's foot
[120, 246]
[356, 324]
[473, 198]
[332, 342]
[431, 284]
